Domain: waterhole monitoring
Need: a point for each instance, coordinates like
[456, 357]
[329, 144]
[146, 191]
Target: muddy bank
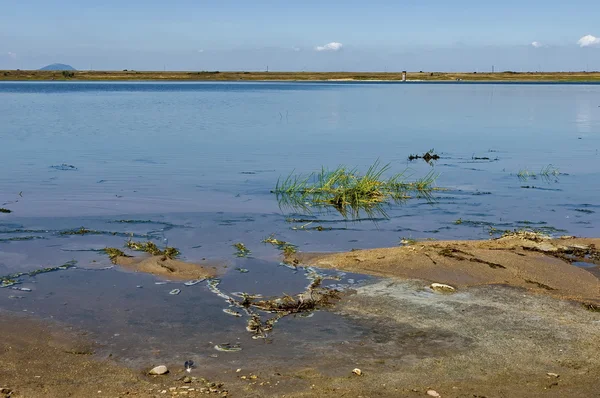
[524, 260]
[484, 341]
[487, 341]
[166, 267]
[42, 360]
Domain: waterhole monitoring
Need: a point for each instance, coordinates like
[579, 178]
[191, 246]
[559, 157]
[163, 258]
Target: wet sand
[166, 267]
[492, 341]
[528, 261]
[46, 360]
[488, 339]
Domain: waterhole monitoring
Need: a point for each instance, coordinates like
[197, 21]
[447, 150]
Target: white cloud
[537, 44]
[12, 55]
[201, 51]
[588, 41]
[333, 46]
[296, 49]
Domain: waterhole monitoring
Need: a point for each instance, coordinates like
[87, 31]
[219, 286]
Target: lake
[193, 165]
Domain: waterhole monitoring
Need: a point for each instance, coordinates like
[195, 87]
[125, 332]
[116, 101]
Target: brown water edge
[525, 260]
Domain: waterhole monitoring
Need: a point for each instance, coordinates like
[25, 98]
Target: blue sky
[428, 35]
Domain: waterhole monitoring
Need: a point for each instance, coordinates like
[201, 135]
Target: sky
[350, 35]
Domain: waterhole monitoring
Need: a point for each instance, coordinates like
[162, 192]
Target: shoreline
[375, 77]
[488, 340]
[499, 333]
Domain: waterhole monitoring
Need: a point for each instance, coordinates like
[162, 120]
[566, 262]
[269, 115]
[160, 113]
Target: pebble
[440, 287]
[433, 393]
[357, 372]
[187, 379]
[175, 292]
[556, 375]
[159, 370]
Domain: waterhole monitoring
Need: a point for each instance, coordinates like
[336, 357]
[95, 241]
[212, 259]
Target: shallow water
[198, 160]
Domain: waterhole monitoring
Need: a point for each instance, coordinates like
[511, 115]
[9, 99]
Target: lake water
[199, 160]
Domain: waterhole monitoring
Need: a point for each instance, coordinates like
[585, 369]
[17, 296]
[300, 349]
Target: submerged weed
[3, 210]
[85, 231]
[242, 250]
[350, 192]
[21, 238]
[13, 279]
[286, 248]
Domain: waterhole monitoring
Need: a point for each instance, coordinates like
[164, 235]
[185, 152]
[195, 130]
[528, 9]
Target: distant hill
[58, 67]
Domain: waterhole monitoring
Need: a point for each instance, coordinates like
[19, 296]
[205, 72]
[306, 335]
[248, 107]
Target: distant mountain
[58, 67]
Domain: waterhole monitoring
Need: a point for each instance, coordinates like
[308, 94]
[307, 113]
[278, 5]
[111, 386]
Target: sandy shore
[528, 261]
[165, 267]
[495, 336]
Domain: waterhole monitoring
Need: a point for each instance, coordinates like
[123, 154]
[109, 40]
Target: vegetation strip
[506, 76]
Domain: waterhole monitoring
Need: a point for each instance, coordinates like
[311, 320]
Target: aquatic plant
[113, 253]
[86, 231]
[20, 238]
[241, 250]
[286, 247]
[150, 247]
[427, 156]
[349, 192]
[13, 279]
[3, 210]
[546, 173]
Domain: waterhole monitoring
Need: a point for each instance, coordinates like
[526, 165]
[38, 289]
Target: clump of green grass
[349, 192]
[3, 210]
[113, 253]
[150, 247]
[242, 250]
[286, 247]
[546, 173]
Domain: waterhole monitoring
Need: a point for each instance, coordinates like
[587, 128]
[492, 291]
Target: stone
[187, 379]
[555, 375]
[357, 372]
[442, 288]
[433, 393]
[159, 370]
